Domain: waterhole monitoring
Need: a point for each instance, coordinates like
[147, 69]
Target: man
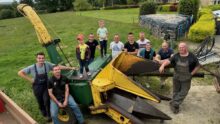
[131, 47]
[58, 88]
[142, 41]
[147, 52]
[116, 46]
[185, 66]
[164, 53]
[93, 44]
[38, 79]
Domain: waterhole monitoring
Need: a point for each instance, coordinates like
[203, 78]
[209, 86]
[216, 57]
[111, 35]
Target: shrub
[202, 28]
[7, 13]
[165, 8]
[195, 8]
[173, 8]
[186, 7]
[204, 11]
[81, 5]
[148, 8]
[121, 7]
[214, 7]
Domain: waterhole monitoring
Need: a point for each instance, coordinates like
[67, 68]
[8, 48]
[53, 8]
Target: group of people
[53, 93]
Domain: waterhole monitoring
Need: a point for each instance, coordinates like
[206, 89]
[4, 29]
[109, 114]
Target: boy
[102, 33]
[83, 55]
[93, 44]
[116, 46]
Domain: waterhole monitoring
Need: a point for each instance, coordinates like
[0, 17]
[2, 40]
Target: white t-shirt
[142, 44]
[116, 48]
[102, 33]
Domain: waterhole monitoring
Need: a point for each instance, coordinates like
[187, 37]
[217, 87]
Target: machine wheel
[66, 116]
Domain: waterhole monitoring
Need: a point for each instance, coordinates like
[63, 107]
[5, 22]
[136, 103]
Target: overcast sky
[7, 0]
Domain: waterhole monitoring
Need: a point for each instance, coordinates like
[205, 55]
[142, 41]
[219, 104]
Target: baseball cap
[80, 37]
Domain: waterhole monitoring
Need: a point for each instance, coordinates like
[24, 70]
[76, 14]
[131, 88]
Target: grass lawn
[19, 43]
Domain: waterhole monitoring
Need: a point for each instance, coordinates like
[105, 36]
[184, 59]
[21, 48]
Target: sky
[7, 0]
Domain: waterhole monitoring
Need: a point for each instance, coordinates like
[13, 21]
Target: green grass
[19, 43]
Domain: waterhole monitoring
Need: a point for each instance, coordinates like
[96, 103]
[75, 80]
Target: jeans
[72, 104]
[103, 45]
[82, 64]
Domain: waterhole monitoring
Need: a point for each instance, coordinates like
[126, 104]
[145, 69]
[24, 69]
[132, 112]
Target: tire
[66, 116]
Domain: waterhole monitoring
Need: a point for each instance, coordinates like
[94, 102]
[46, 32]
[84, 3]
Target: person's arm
[22, 74]
[163, 65]
[133, 53]
[195, 70]
[50, 92]
[154, 55]
[66, 95]
[157, 58]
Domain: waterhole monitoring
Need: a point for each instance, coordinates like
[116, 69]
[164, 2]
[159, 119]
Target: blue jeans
[72, 104]
[82, 64]
[103, 45]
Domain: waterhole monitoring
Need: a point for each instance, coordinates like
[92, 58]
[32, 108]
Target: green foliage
[189, 7]
[81, 5]
[204, 27]
[214, 7]
[186, 7]
[149, 7]
[196, 4]
[165, 8]
[204, 11]
[130, 2]
[7, 13]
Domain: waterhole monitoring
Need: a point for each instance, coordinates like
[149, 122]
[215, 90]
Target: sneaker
[176, 110]
[88, 73]
[147, 85]
[80, 76]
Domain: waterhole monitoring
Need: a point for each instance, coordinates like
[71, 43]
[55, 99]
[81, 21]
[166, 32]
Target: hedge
[204, 11]
[214, 7]
[202, 28]
[148, 7]
[168, 7]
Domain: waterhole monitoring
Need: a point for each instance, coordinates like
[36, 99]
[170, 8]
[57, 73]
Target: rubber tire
[72, 118]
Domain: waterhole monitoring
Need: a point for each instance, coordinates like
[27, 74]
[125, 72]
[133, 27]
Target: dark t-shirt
[92, 46]
[147, 55]
[165, 54]
[58, 86]
[131, 47]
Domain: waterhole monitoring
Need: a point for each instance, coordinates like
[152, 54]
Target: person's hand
[65, 103]
[60, 105]
[74, 68]
[161, 69]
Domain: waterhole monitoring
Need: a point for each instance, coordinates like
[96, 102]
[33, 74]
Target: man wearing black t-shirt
[93, 44]
[58, 88]
[131, 47]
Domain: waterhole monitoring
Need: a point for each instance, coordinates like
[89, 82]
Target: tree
[81, 5]
[29, 2]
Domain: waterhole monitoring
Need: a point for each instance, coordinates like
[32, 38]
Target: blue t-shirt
[165, 54]
[41, 70]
